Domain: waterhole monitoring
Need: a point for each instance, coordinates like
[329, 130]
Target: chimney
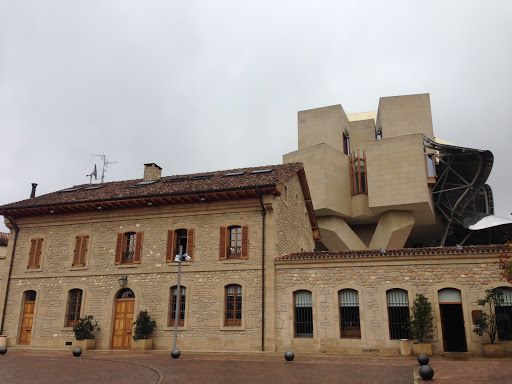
[152, 172]
[33, 193]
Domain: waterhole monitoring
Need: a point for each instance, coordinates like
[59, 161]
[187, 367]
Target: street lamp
[175, 352]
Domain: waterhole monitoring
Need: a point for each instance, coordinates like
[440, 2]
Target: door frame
[113, 311]
[22, 312]
[442, 320]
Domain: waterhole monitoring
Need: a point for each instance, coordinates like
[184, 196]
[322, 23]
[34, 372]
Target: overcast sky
[198, 86]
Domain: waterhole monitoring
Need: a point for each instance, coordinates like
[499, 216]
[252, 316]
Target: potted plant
[487, 323]
[421, 325]
[143, 330]
[85, 330]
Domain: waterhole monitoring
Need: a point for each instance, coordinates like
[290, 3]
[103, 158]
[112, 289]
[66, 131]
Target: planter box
[85, 344]
[142, 344]
[420, 348]
[405, 347]
[493, 350]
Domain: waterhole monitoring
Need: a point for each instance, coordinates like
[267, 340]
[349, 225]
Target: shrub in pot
[421, 325]
[85, 330]
[144, 327]
[487, 323]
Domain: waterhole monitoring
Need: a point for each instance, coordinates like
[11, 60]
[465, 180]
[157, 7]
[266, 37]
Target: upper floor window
[346, 144]
[350, 326]
[35, 253]
[378, 134]
[398, 314]
[234, 242]
[183, 238]
[81, 248]
[129, 247]
[233, 301]
[358, 173]
[504, 314]
[73, 307]
[431, 165]
[172, 306]
[303, 321]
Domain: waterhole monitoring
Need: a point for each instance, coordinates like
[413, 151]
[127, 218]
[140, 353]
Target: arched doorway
[123, 319]
[27, 318]
[452, 320]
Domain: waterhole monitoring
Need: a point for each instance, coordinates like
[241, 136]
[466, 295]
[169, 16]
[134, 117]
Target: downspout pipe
[263, 215]
[16, 231]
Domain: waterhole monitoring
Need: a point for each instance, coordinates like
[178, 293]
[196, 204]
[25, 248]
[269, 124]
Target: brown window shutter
[190, 243]
[169, 257]
[222, 243]
[39, 251]
[83, 250]
[119, 248]
[138, 247]
[76, 253]
[245, 242]
[32, 253]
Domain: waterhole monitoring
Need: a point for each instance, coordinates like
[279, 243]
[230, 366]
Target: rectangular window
[358, 173]
[172, 304]
[36, 250]
[81, 247]
[234, 242]
[129, 247]
[73, 308]
[350, 326]
[398, 314]
[346, 144]
[233, 313]
[504, 314]
[431, 165]
[303, 303]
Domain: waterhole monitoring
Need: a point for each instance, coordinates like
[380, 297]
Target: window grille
[350, 326]
[398, 314]
[233, 314]
[172, 304]
[73, 309]
[504, 314]
[303, 302]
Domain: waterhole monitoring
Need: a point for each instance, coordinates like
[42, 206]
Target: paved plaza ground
[23, 366]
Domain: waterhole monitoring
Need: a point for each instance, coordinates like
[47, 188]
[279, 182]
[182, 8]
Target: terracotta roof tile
[372, 253]
[228, 180]
[3, 239]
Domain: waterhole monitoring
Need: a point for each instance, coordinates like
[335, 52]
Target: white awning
[489, 221]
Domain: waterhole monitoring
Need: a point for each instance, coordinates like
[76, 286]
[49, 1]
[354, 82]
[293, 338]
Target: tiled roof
[372, 253]
[3, 239]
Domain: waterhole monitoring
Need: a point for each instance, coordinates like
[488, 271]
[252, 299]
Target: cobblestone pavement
[30, 366]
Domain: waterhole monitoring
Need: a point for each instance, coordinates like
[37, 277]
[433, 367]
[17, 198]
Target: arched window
[125, 293]
[172, 306]
[350, 326]
[73, 307]
[398, 314]
[233, 299]
[504, 314]
[303, 303]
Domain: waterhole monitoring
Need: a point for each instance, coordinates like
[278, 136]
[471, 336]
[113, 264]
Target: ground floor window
[504, 314]
[350, 326]
[398, 314]
[303, 303]
[172, 306]
[233, 313]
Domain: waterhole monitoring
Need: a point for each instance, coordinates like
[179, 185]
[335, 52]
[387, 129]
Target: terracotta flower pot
[420, 348]
[142, 344]
[493, 350]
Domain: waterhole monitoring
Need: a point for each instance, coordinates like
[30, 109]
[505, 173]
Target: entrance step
[457, 355]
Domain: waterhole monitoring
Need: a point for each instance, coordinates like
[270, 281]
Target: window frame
[504, 314]
[225, 241]
[310, 316]
[354, 333]
[36, 252]
[396, 328]
[80, 255]
[171, 315]
[237, 306]
[123, 248]
[73, 308]
[358, 173]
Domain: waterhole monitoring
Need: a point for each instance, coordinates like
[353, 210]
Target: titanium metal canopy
[463, 199]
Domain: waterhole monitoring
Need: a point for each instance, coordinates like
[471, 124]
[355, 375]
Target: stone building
[274, 266]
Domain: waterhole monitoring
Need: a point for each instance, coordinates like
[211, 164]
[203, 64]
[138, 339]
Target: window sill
[66, 329]
[133, 265]
[232, 328]
[78, 268]
[180, 328]
[34, 270]
[175, 263]
[233, 261]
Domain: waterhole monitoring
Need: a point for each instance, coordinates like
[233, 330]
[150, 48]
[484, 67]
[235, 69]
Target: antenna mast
[105, 165]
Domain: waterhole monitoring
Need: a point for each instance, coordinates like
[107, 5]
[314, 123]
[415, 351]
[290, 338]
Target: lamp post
[175, 352]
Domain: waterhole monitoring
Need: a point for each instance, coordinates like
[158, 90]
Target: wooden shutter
[83, 249]
[245, 242]
[76, 253]
[139, 237]
[190, 243]
[222, 243]
[39, 251]
[169, 257]
[32, 253]
[119, 248]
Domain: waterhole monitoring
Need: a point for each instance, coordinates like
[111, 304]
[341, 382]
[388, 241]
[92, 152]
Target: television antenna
[105, 163]
[93, 173]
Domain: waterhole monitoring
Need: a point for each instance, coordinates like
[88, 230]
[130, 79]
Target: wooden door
[26, 322]
[123, 323]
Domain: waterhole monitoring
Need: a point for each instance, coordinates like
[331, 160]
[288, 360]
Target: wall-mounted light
[123, 280]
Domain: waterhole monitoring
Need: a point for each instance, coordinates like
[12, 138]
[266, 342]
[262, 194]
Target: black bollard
[77, 351]
[3, 350]
[426, 372]
[175, 353]
[289, 356]
[423, 359]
